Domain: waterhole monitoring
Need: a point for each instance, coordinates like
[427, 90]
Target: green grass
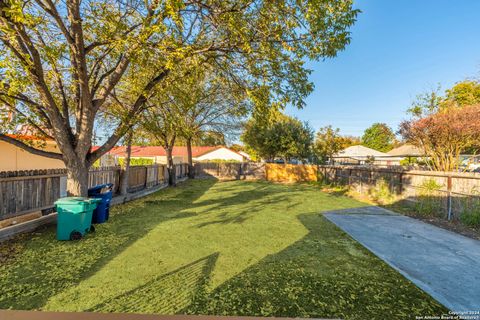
[206, 247]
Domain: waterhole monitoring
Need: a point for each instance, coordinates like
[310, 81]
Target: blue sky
[399, 48]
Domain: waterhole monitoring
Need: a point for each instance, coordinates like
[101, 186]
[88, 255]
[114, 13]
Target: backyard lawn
[208, 247]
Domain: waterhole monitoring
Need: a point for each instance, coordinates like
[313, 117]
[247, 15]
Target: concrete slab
[442, 263]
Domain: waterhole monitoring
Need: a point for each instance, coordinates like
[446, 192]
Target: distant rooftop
[406, 150]
[152, 151]
[359, 151]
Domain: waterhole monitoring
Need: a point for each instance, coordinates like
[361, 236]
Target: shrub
[471, 217]
[381, 192]
[137, 161]
[429, 203]
[408, 161]
[471, 210]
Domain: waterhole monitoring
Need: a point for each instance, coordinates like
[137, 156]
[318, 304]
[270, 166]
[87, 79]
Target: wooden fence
[250, 170]
[454, 194]
[450, 194]
[23, 192]
[230, 170]
[291, 172]
[105, 175]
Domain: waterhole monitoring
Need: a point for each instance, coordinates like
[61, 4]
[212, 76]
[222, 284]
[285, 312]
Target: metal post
[449, 197]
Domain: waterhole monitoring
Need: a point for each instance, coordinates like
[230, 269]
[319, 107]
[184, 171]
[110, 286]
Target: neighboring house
[357, 155]
[13, 158]
[245, 155]
[406, 150]
[158, 154]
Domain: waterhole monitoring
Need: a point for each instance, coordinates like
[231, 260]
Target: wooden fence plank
[25, 191]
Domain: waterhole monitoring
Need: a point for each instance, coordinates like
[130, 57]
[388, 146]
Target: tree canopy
[329, 141]
[283, 137]
[379, 137]
[444, 135]
[463, 93]
[62, 63]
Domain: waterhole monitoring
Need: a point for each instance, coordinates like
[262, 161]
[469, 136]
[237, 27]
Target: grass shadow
[243, 205]
[274, 255]
[326, 274]
[45, 266]
[165, 294]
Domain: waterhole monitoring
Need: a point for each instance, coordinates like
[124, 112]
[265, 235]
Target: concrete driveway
[444, 264]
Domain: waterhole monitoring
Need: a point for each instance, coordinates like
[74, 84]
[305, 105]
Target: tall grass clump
[429, 202]
[471, 210]
[381, 192]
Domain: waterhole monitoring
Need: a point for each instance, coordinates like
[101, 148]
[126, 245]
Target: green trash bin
[74, 217]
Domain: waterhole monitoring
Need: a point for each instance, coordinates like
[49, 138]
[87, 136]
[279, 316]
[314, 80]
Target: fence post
[449, 197]
[400, 182]
[146, 178]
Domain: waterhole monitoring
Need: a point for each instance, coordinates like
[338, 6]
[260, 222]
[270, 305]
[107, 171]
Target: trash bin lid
[100, 187]
[75, 200]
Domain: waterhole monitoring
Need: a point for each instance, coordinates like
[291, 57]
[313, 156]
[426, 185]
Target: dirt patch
[9, 249]
[20, 219]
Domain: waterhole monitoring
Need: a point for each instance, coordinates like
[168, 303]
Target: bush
[471, 211]
[381, 192]
[408, 161]
[471, 218]
[429, 202]
[137, 161]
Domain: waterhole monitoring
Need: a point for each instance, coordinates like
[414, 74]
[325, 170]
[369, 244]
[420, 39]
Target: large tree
[379, 137]
[161, 125]
[61, 61]
[281, 137]
[463, 93]
[444, 135]
[328, 142]
[209, 108]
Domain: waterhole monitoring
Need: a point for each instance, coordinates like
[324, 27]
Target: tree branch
[32, 150]
[122, 128]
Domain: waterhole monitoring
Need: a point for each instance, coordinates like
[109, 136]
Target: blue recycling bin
[101, 213]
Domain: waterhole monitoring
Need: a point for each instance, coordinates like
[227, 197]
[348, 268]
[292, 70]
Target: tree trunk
[126, 169]
[172, 175]
[191, 169]
[77, 180]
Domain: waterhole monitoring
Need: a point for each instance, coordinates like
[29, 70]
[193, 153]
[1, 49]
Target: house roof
[243, 153]
[406, 150]
[359, 151]
[153, 151]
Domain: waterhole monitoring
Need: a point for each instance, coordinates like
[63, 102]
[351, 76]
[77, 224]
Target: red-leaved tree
[444, 135]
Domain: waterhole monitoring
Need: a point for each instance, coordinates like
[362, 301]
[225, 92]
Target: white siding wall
[176, 159]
